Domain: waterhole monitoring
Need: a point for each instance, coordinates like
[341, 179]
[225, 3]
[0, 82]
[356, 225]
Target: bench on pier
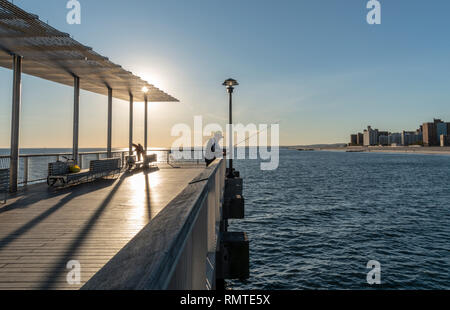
[4, 184]
[59, 172]
[147, 160]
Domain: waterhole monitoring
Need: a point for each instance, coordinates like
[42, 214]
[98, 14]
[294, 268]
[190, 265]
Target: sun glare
[153, 78]
[142, 194]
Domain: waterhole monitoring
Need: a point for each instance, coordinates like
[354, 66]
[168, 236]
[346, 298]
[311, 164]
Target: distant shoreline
[383, 149]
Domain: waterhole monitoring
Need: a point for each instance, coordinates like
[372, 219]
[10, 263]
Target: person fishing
[212, 148]
[139, 150]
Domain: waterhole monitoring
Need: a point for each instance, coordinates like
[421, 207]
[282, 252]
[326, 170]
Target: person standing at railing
[213, 148]
[139, 150]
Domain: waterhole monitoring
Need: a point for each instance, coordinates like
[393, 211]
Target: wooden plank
[43, 229]
[146, 262]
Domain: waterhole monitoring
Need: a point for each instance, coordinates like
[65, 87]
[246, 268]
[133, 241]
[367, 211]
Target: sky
[314, 66]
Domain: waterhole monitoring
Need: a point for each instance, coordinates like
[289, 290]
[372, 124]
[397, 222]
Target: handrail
[95, 152]
[27, 177]
[171, 252]
[70, 154]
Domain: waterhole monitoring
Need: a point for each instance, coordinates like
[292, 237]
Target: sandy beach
[387, 149]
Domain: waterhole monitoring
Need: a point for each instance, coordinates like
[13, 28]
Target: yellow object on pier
[74, 169]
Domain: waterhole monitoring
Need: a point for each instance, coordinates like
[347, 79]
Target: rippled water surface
[316, 221]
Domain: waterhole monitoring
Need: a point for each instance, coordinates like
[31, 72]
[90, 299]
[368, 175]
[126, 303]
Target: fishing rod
[257, 133]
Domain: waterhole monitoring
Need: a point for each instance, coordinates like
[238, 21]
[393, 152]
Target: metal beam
[15, 123]
[82, 69]
[51, 48]
[13, 16]
[146, 125]
[130, 145]
[31, 35]
[76, 118]
[48, 54]
[109, 146]
[18, 29]
[50, 59]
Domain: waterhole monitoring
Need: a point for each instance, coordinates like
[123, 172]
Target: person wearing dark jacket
[139, 150]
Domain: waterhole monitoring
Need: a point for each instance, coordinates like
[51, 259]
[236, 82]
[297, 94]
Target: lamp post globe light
[230, 84]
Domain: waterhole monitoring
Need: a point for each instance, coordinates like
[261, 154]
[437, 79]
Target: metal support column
[230, 83]
[109, 144]
[76, 117]
[231, 149]
[131, 126]
[15, 123]
[146, 125]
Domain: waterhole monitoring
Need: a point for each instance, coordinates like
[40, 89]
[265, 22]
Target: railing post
[25, 169]
[80, 164]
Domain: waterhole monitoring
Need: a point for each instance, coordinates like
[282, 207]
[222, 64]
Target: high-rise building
[353, 139]
[430, 133]
[411, 137]
[445, 140]
[370, 136]
[383, 140]
[441, 129]
[360, 139]
[395, 139]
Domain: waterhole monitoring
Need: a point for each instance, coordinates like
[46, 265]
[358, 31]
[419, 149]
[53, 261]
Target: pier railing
[33, 168]
[177, 249]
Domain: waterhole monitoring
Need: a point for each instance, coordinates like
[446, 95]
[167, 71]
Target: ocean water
[316, 221]
[38, 166]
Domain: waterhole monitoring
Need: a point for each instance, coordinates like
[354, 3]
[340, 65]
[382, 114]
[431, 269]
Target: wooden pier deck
[41, 230]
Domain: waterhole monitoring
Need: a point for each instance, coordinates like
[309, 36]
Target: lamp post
[230, 83]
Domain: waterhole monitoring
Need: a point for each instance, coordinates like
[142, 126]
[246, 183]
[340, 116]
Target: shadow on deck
[42, 229]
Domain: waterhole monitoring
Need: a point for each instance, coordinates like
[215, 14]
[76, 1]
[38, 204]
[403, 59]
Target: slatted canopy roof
[53, 55]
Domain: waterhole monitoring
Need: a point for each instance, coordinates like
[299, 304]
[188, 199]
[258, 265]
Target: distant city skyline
[435, 133]
[315, 66]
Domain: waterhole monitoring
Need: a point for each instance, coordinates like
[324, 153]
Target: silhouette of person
[139, 150]
[212, 148]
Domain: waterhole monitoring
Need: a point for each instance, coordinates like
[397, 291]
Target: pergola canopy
[53, 55]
